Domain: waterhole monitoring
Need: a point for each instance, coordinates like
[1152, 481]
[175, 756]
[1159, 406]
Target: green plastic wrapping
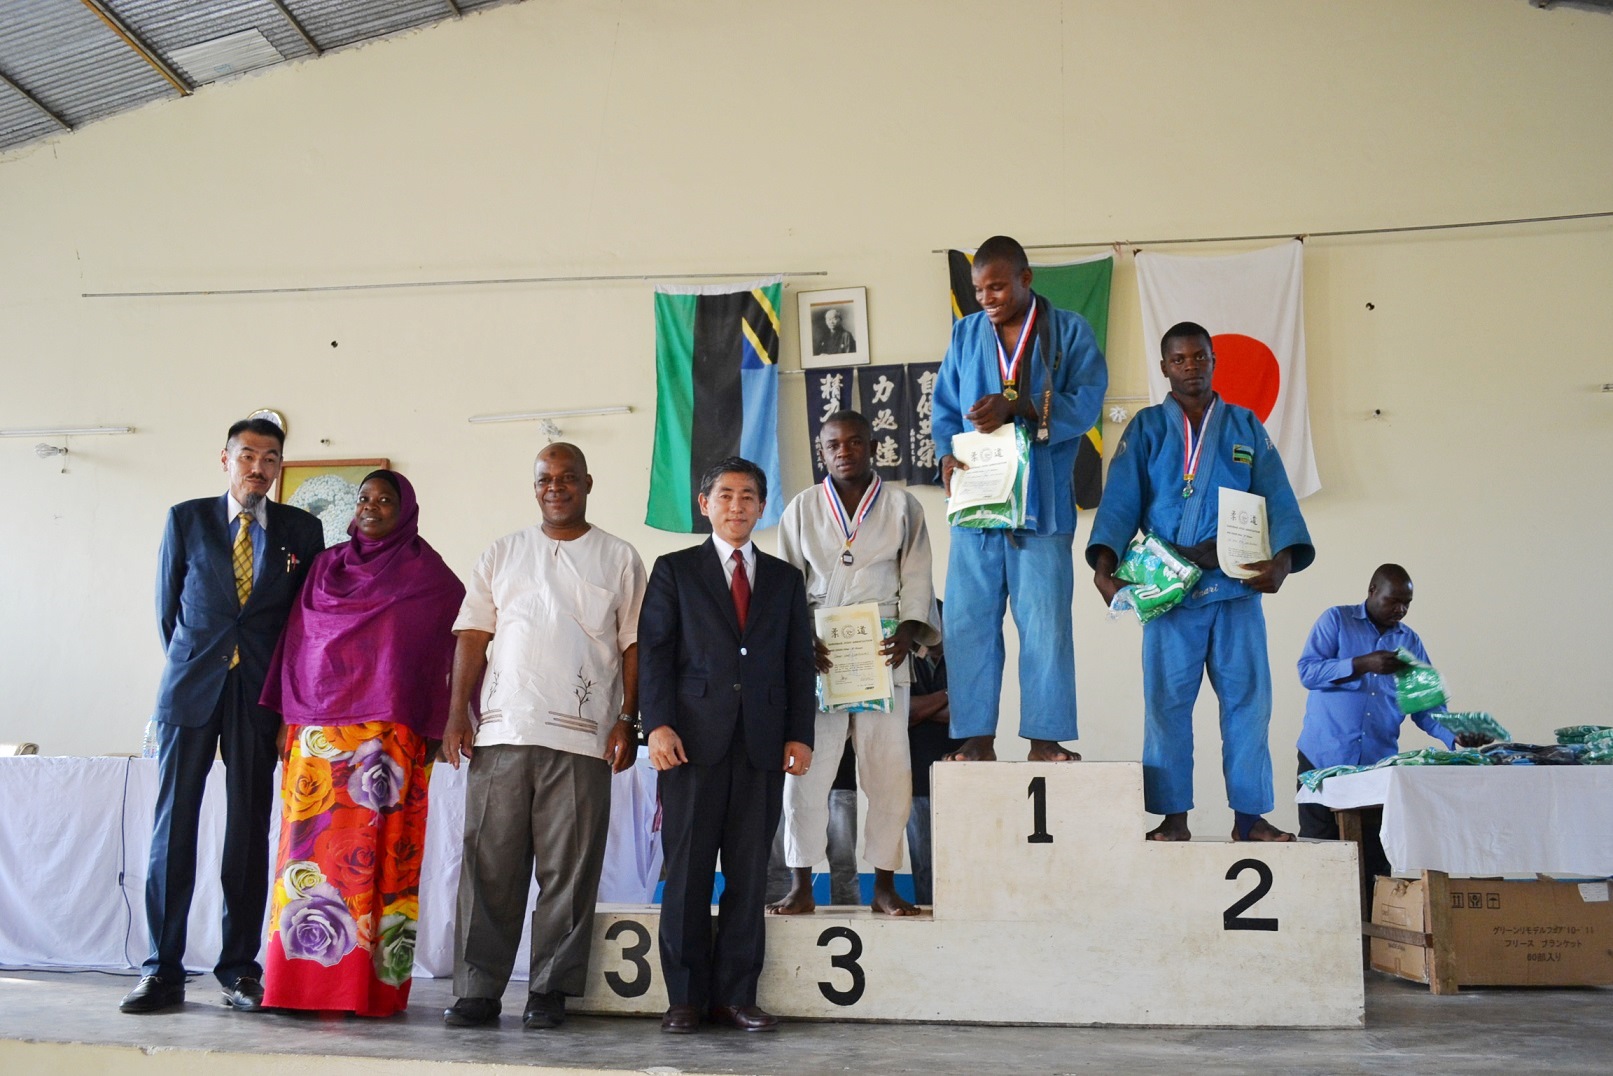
[1160, 577]
[1418, 686]
[1583, 733]
[1474, 721]
[1002, 515]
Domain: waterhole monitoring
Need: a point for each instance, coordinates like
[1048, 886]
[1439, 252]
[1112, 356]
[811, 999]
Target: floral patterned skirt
[347, 877]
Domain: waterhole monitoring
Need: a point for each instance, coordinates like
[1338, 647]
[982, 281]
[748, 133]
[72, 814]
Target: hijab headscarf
[370, 638]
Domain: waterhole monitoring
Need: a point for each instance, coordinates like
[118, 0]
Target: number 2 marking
[634, 954]
[1038, 797]
[1233, 918]
[846, 961]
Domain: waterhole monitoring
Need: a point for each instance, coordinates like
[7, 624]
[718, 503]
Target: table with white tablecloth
[1486, 820]
[1475, 821]
[75, 834]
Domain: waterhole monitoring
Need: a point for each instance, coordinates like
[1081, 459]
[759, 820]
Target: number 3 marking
[846, 961]
[634, 954]
[1233, 918]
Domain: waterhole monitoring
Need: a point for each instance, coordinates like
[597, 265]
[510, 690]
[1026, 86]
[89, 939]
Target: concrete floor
[1408, 1031]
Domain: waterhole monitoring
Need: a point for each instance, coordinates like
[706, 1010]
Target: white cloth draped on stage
[75, 834]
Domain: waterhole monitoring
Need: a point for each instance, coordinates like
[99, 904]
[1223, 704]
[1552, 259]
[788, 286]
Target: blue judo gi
[1029, 569]
[1219, 628]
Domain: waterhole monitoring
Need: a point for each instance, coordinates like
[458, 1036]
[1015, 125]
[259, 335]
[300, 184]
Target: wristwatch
[632, 721]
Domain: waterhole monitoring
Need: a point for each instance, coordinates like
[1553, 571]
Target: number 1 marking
[1038, 796]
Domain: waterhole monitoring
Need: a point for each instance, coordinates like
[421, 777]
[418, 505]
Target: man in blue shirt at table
[1351, 715]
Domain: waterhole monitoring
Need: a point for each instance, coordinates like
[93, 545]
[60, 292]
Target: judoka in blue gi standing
[1019, 360]
[1165, 479]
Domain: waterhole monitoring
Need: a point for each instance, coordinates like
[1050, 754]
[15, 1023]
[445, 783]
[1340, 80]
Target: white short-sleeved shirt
[561, 614]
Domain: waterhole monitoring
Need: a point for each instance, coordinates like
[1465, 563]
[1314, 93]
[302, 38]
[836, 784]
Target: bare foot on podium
[886, 900]
[974, 749]
[1174, 828]
[1051, 751]
[798, 901]
[1261, 830]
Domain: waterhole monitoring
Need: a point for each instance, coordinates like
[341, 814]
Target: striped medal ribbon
[850, 526]
[1191, 449]
[1010, 369]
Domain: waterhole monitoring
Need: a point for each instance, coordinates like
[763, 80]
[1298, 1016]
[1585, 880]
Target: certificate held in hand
[989, 489]
[853, 634]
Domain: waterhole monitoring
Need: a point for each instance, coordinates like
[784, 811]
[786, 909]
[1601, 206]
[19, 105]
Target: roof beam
[452, 6]
[32, 100]
[145, 52]
[285, 13]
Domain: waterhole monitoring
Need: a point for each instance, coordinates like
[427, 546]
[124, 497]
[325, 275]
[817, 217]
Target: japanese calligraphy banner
[923, 468]
[882, 398]
[827, 391]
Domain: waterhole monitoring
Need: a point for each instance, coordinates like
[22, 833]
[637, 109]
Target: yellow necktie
[243, 570]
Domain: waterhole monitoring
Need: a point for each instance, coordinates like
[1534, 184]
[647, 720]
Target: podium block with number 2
[1051, 908]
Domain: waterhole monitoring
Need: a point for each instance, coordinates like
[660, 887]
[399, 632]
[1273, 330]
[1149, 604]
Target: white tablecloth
[75, 834]
[1486, 820]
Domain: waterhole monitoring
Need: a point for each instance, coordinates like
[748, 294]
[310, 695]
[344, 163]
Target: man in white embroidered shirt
[549, 627]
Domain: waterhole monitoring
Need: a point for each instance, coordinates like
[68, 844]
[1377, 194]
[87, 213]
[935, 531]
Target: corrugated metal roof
[174, 24]
[65, 56]
[62, 54]
[334, 23]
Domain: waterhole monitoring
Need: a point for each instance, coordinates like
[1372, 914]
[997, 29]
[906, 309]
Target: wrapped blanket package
[1418, 686]
[1474, 722]
[1160, 578]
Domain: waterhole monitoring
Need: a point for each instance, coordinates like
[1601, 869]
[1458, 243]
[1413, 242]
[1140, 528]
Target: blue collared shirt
[1353, 720]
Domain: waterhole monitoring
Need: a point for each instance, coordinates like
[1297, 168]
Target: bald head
[567, 451]
[1390, 573]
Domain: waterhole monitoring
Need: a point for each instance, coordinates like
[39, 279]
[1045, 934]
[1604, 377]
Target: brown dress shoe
[681, 1020]
[744, 1017]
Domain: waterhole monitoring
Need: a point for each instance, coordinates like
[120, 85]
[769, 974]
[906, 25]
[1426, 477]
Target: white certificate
[993, 464]
[853, 635]
[1241, 536]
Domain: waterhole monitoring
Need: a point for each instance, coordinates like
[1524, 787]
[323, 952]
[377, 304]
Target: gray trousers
[530, 807]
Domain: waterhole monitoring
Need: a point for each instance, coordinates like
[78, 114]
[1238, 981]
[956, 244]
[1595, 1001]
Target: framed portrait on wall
[834, 327]
[326, 489]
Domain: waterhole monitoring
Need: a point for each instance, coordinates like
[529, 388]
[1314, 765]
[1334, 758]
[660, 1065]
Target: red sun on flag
[1246, 373]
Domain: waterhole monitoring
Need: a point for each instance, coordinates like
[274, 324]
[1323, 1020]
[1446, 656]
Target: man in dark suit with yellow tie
[228, 572]
[726, 696]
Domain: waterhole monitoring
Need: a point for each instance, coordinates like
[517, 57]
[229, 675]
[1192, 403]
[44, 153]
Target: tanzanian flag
[716, 394]
[1082, 287]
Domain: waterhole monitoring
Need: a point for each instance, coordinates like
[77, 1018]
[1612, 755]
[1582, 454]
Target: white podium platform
[1050, 908]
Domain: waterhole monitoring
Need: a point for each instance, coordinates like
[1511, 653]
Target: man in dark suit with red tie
[229, 570]
[726, 695]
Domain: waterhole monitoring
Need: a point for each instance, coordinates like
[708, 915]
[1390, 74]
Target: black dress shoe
[544, 1010]
[152, 994]
[681, 1020]
[246, 994]
[472, 1012]
[744, 1017]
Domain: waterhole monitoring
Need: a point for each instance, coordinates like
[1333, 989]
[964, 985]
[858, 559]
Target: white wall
[660, 137]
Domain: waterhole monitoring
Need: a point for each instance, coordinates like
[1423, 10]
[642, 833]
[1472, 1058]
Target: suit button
[743, 652]
[736, 687]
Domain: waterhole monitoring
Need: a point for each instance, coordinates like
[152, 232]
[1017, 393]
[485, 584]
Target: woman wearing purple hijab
[361, 679]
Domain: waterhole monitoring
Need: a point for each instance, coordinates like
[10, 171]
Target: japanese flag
[1251, 303]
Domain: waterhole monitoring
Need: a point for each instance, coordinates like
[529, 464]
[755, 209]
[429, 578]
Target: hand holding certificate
[990, 463]
[853, 634]
[1241, 535]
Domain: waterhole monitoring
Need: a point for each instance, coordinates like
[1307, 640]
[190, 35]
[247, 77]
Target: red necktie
[740, 584]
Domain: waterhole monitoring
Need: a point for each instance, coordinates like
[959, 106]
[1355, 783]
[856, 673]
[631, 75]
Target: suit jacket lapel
[217, 534]
[716, 580]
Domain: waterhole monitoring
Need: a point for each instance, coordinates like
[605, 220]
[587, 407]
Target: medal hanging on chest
[849, 525]
[1009, 368]
[1192, 448]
